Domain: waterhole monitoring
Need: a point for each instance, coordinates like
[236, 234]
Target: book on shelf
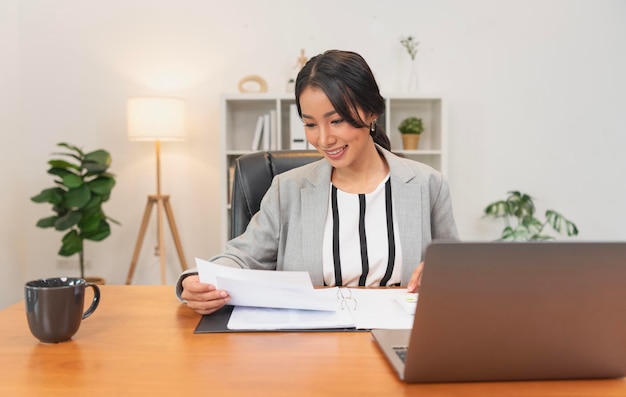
[274, 130]
[297, 138]
[266, 132]
[265, 136]
[258, 131]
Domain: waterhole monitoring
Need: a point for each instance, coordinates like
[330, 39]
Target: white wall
[534, 90]
[12, 168]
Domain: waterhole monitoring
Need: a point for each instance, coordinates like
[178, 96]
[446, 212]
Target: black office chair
[253, 176]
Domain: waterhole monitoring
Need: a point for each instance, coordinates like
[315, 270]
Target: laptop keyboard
[401, 352]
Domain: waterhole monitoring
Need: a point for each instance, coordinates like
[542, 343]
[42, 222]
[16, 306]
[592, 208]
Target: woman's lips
[336, 153]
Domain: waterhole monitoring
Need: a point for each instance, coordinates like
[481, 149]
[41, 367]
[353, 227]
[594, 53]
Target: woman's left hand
[416, 279]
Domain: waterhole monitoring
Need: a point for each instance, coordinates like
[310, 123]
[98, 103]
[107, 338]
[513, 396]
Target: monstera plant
[521, 222]
[82, 185]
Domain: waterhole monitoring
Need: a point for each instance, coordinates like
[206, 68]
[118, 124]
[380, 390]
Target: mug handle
[94, 302]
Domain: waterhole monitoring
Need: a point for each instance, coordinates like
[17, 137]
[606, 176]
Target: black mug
[54, 307]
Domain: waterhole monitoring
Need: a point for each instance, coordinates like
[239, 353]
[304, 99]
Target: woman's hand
[203, 298]
[416, 279]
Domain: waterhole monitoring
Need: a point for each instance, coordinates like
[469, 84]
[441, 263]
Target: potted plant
[518, 212]
[82, 185]
[410, 129]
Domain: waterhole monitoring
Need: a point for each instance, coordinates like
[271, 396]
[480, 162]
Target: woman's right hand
[203, 298]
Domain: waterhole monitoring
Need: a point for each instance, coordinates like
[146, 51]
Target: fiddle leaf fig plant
[521, 223]
[82, 185]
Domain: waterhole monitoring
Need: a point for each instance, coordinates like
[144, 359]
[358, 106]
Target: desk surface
[140, 342]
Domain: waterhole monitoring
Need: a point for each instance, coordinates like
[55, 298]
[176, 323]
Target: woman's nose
[326, 138]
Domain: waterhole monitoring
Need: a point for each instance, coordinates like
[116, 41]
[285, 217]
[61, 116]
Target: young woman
[361, 216]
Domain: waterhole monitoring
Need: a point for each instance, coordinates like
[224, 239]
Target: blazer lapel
[407, 203]
[314, 206]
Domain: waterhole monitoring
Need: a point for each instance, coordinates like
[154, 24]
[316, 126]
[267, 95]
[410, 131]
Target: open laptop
[496, 311]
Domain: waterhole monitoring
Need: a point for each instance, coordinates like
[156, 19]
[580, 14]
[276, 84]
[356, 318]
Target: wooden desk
[140, 342]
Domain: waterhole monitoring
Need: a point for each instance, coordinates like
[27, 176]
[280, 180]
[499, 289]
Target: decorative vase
[410, 141]
[413, 83]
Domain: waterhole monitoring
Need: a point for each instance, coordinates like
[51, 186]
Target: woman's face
[335, 138]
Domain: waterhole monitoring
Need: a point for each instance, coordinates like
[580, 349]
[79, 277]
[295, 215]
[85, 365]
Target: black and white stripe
[363, 235]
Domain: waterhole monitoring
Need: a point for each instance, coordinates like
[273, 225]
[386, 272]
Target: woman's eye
[309, 125]
[338, 121]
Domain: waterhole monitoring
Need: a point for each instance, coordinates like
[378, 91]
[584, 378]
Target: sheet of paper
[263, 288]
[261, 318]
[378, 308]
[298, 281]
[362, 309]
[251, 293]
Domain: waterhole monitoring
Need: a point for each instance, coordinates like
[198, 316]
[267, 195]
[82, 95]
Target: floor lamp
[156, 119]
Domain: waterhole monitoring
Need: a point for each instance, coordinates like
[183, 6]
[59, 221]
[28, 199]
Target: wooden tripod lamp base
[156, 119]
[163, 205]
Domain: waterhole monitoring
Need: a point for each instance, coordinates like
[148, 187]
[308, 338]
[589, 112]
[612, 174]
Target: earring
[373, 128]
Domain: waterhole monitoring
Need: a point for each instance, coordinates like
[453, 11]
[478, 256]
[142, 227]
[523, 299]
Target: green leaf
[72, 243]
[63, 164]
[52, 195]
[520, 205]
[498, 209]
[90, 221]
[60, 209]
[97, 161]
[533, 225]
[113, 220]
[102, 232]
[101, 185]
[541, 237]
[67, 221]
[72, 181]
[69, 179]
[59, 171]
[561, 224]
[572, 230]
[94, 202]
[507, 234]
[47, 222]
[72, 148]
[521, 233]
[77, 198]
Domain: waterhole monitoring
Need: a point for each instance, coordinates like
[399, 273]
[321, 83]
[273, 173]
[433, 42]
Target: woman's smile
[336, 153]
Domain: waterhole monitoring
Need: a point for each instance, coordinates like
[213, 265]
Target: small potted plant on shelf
[411, 129]
[520, 222]
[83, 185]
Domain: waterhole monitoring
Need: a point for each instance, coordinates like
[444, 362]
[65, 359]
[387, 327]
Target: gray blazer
[287, 232]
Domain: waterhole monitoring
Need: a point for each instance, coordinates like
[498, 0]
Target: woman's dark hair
[349, 84]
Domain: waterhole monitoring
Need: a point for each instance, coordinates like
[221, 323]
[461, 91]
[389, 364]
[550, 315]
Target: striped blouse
[361, 242]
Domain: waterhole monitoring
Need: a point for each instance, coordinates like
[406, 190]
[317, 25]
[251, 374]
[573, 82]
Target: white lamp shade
[156, 118]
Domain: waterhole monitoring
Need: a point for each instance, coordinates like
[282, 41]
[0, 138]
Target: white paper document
[270, 300]
[266, 288]
[359, 308]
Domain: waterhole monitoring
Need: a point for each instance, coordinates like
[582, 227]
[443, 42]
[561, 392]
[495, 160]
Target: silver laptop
[496, 311]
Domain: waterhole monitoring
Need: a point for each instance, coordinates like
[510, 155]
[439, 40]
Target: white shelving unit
[240, 113]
